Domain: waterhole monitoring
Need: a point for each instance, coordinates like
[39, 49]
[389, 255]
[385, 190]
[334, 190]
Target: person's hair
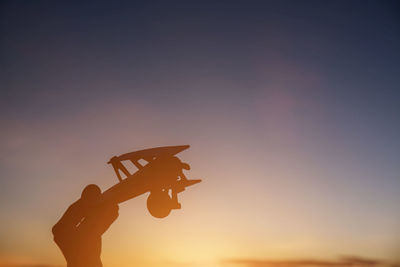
[91, 192]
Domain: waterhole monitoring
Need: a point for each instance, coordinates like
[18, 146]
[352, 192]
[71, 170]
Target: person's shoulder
[72, 214]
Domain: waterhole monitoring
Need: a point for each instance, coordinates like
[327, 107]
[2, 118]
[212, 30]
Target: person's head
[91, 194]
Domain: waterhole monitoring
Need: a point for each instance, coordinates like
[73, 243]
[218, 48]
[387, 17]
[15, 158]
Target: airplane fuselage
[161, 173]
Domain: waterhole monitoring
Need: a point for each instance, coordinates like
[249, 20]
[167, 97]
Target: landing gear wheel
[159, 204]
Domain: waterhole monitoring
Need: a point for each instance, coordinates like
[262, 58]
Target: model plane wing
[151, 153]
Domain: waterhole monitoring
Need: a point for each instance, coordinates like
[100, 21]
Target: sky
[291, 109]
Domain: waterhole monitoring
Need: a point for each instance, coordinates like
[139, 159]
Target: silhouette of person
[78, 232]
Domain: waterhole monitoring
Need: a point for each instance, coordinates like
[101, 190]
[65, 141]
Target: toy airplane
[162, 174]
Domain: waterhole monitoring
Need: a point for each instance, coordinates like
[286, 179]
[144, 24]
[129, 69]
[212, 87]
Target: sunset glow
[292, 115]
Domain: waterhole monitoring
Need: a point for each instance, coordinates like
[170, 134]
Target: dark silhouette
[78, 232]
[162, 176]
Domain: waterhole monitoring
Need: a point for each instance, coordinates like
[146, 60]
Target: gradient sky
[291, 109]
